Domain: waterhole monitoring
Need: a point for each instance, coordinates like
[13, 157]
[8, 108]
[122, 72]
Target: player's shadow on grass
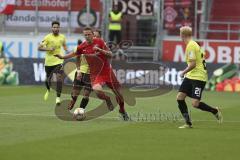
[130, 93]
[130, 97]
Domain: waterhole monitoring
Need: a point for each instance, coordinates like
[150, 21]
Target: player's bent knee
[180, 97]
[86, 97]
[75, 92]
[97, 87]
[195, 103]
[59, 77]
[86, 94]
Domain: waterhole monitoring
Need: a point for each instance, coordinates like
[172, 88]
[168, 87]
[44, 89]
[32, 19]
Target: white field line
[157, 120]
[43, 115]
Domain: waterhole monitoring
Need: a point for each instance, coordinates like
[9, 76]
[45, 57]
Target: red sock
[102, 96]
[120, 101]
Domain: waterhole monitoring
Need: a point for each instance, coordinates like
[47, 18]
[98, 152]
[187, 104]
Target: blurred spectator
[7, 75]
[1, 50]
[115, 27]
[97, 33]
[120, 55]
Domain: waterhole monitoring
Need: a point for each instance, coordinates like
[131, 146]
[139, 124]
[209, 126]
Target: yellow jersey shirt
[84, 67]
[57, 42]
[1, 49]
[194, 52]
[1, 46]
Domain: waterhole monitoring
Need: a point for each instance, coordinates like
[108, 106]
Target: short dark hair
[55, 22]
[79, 41]
[99, 31]
[88, 29]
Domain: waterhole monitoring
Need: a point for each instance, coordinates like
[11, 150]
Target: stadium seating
[224, 12]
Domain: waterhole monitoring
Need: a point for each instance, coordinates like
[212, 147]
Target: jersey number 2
[197, 91]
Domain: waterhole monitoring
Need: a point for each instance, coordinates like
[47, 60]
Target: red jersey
[100, 68]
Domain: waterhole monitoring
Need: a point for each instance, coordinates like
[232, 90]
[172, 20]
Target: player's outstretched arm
[41, 47]
[67, 56]
[65, 46]
[108, 53]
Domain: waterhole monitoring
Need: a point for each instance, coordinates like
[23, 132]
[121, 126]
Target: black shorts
[193, 88]
[53, 69]
[85, 81]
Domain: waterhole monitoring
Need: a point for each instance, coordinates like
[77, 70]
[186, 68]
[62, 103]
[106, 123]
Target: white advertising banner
[27, 46]
[28, 18]
[65, 11]
[216, 51]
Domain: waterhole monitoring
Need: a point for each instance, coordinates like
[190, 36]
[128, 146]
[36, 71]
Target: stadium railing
[225, 30]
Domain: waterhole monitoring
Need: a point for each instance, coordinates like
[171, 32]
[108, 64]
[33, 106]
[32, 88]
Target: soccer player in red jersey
[97, 55]
[101, 73]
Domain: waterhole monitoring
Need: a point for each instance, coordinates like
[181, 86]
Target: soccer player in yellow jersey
[1, 50]
[52, 44]
[195, 77]
[81, 79]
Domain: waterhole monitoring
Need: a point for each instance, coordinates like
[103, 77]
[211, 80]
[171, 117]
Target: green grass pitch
[30, 130]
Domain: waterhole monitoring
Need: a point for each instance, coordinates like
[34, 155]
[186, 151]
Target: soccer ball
[79, 114]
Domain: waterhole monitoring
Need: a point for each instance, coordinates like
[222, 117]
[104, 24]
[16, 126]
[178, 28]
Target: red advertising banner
[7, 6]
[56, 5]
[178, 13]
[49, 10]
[216, 51]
